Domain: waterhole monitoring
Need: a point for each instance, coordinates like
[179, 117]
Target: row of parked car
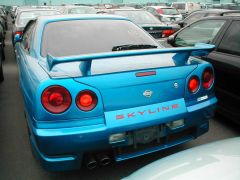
[3, 28]
[92, 97]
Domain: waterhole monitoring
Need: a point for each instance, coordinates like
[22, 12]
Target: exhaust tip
[103, 159]
[90, 162]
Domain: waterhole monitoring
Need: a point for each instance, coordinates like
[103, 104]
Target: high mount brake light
[207, 78]
[56, 99]
[193, 84]
[86, 100]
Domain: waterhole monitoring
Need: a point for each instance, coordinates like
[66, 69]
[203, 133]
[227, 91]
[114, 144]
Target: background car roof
[52, 18]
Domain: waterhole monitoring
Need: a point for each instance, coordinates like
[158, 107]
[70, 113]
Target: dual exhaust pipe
[91, 161]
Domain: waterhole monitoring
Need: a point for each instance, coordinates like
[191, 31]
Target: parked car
[216, 160]
[25, 15]
[89, 102]
[164, 13]
[223, 32]
[186, 7]
[79, 10]
[3, 15]
[2, 38]
[1, 66]
[147, 21]
[196, 15]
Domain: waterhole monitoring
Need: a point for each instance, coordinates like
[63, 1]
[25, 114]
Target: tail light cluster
[57, 99]
[167, 33]
[207, 81]
[19, 33]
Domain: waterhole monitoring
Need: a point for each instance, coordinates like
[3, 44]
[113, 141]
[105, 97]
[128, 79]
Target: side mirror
[171, 39]
[17, 38]
[181, 24]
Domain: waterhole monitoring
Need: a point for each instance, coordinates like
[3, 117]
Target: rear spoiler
[182, 54]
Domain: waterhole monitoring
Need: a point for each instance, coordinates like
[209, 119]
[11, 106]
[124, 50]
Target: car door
[226, 62]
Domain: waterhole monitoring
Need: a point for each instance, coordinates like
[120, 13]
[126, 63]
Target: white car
[164, 13]
[216, 161]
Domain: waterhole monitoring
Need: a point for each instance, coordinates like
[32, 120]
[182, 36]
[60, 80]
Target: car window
[199, 32]
[139, 17]
[82, 10]
[66, 38]
[179, 6]
[25, 17]
[26, 39]
[231, 40]
[194, 17]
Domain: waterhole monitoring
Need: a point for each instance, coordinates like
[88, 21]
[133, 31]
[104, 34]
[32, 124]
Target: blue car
[98, 89]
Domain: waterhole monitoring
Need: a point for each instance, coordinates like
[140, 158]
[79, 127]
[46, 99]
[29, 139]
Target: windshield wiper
[133, 46]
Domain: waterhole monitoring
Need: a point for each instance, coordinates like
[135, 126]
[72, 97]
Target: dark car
[223, 32]
[2, 38]
[3, 15]
[1, 68]
[196, 15]
[147, 21]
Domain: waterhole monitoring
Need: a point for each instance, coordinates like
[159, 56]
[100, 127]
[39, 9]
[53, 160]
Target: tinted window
[199, 32]
[179, 6]
[194, 17]
[139, 17]
[231, 40]
[26, 40]
[77, 37]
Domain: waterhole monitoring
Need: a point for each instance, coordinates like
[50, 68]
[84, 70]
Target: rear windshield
[179, 6]
[25, 17]
[66, 38]
[139, 17]
[170, 11]
[82, 10]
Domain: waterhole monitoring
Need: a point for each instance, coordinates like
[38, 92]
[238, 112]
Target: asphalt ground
[17, 161]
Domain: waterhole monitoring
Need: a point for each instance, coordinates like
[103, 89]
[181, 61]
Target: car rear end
[103, 106]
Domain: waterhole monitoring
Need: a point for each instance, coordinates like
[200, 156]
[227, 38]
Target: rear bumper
[64, 148]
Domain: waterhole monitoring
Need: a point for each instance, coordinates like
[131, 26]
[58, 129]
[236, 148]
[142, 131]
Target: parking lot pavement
[17, 161]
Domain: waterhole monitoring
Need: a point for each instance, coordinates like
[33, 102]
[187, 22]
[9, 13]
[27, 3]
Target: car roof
[162, 7]
[222, 18]
[37, 9]
[53, 18]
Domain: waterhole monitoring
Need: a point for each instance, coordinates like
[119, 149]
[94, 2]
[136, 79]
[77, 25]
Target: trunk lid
[121, 86]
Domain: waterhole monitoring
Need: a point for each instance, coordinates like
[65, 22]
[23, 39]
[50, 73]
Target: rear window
[82, 10]
[66, 38]
[179, 6]
[25, 17]
[139, 17]
[170, 11]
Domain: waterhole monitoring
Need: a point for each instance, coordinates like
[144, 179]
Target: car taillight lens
[193, 84]
[19, 32]
[56, 99]
[166, 33]
[160, 11]
[86, 100]
[207, 78]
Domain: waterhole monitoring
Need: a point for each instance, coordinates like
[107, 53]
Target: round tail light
[193, 84]
[86, 100]
[56, 99]
[207, 78]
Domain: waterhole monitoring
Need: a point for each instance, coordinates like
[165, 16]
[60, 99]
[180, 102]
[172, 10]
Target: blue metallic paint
[61, 140]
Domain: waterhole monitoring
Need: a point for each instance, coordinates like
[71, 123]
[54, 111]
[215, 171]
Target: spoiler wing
[182, 54]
